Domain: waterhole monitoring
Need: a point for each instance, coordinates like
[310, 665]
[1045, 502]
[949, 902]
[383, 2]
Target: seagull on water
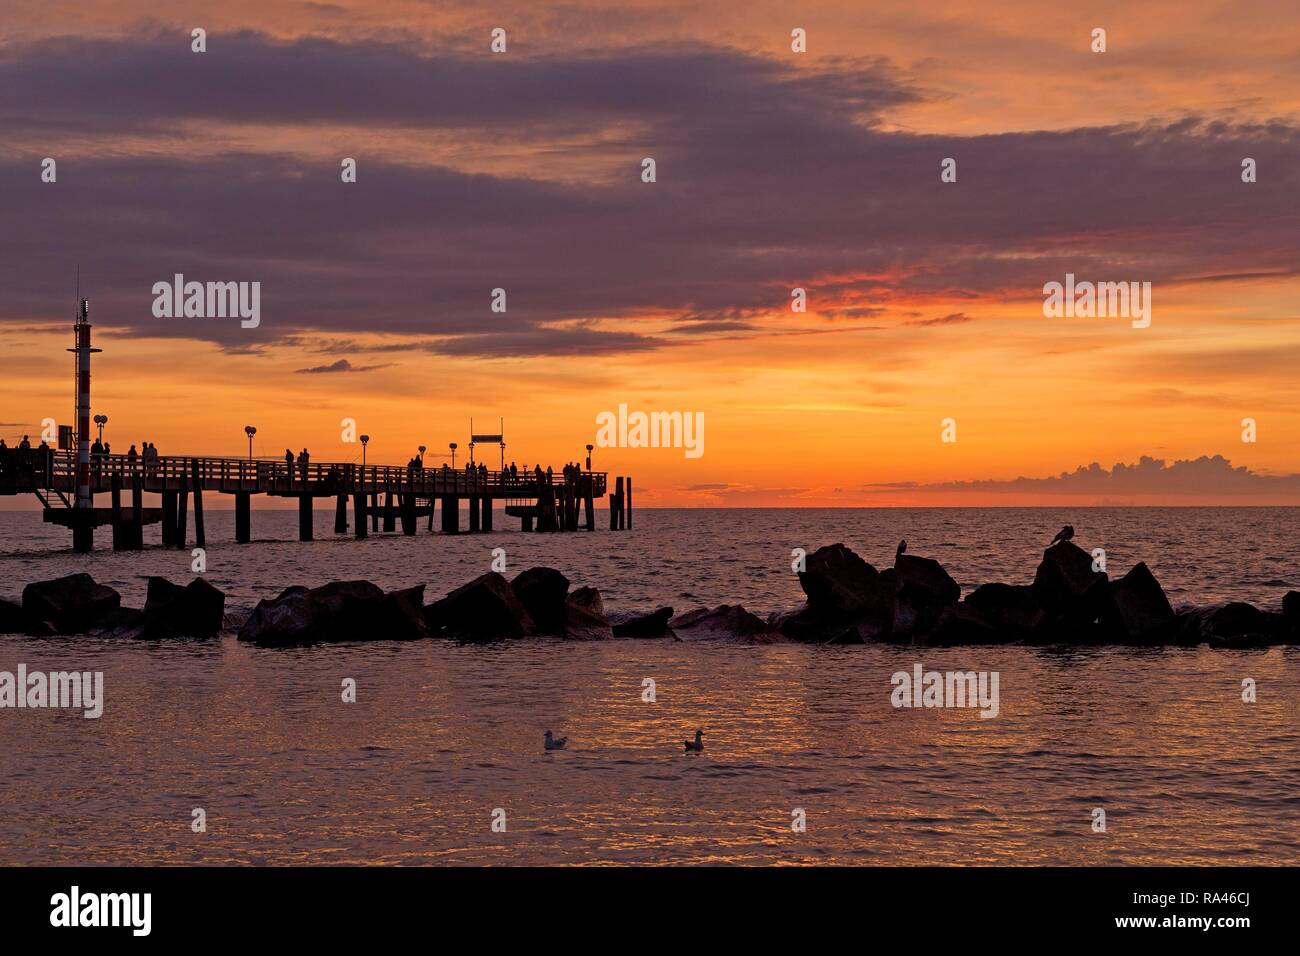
[1065, 534]
[553, 744]
[698, 746]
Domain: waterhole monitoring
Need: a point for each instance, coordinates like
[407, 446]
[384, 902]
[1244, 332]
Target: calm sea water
[442, 734]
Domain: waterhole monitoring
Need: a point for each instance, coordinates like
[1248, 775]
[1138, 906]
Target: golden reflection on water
[443, 734]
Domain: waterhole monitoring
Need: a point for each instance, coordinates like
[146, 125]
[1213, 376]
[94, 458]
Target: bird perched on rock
[553, 744]
[1065, 534]
[698, 746]
[902, 546]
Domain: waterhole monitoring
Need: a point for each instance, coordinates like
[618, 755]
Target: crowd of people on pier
[25, 463]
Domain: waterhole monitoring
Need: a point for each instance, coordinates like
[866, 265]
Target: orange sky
[815, 409]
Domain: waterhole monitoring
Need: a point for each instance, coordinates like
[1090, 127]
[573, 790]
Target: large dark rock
[585, 616]
[848, 600]
[840, 584]
[12, 618]
[291, 618]
[1012, 610]
[1141, 611]
[1077, 599]
[195, 610]
[725, 622]
[70, 604]
[350, 608]
[160, 592]
[1238, 624]
[928, 575]
[401, 615]
[338, 611]
[961, 625]
[1291, 611]
[1065, 580]
[650, 624]
[542, 591]
[922, 592]
[484, 609]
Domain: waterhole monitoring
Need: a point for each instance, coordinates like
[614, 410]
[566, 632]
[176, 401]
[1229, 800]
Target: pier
[378, 496]
[66, 480]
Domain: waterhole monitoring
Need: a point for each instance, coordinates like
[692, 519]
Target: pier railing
[31, 470]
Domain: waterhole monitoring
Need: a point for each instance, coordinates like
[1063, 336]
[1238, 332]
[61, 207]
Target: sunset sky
[775, 170]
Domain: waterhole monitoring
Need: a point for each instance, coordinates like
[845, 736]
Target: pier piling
[304, 517]
[359, 513]
[200, 540]
[243, 517]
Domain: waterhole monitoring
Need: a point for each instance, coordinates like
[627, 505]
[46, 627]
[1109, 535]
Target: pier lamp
[365, 440]
[101, 421]
[589, 447]
[503, 457]
[452, 446]
[250, 431]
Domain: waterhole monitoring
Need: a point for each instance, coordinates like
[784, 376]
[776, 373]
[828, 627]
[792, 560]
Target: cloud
[769, 176]
[955, 318]
[1199, 477]
[342, 365]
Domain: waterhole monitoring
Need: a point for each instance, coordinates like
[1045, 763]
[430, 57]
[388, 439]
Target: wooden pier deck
[386, 495]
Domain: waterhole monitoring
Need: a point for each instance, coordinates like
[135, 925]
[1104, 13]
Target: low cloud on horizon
[1185, 477]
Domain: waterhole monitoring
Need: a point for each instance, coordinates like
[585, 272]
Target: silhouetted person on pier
[131, 457]
[24, 445]
[96, 449]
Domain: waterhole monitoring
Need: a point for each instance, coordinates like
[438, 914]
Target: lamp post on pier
[250, 431]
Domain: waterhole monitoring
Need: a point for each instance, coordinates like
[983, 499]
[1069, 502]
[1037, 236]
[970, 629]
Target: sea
[215, 752]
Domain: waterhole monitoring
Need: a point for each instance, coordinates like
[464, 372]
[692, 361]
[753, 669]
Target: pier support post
[135, 539]
[83, 534]
[408, 514]
[473, 514]
[627, 501]
[526, 523]
[374, 511]
[182, 506]
[304, 517]
[359, 513]
[487, 514]
[431, 501]
[168, 518]
[390, 523]
[450, 514]
[590, 501]
[197, 482]
[616, 506]
[115, 499]
[243, 517]
[341, 513]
